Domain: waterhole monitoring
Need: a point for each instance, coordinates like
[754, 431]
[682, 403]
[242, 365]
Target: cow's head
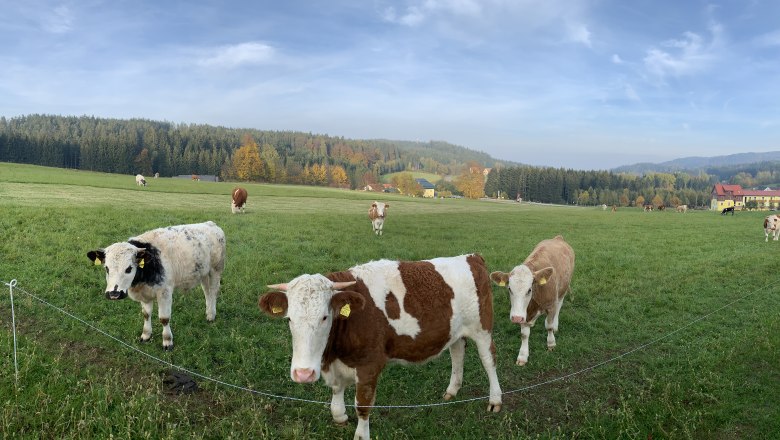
[310, 303]
[523, 285]
[122, 261]
[380, 208]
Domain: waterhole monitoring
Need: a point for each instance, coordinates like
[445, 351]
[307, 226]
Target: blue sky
[575, 84]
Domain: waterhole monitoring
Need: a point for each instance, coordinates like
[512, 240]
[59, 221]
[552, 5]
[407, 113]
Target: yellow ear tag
[97, 261]
[141, 264]
[543, 281]
[502, 284]
[276, 310]
[345, 311]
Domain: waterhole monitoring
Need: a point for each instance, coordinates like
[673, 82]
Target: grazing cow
[604, 207]
[377, 214]
[151, 265]
[139, 180]
[772, 226]
[727, 210]
[682, 208]
[348, 325]
[538, 286]
[661, 207]
[156, 175]
[196, 177]
[239, 200]
[614, 208]
[648, 208]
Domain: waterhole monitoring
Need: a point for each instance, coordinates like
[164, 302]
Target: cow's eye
[529, 292]
[324, 318]
[106, 269]
[129, 269]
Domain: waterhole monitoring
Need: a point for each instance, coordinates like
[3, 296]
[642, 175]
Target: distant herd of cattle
[347, 326]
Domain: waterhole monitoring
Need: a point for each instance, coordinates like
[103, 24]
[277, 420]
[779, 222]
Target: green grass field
[710, 372]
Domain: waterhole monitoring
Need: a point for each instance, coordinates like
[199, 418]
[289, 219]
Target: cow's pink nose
[303, 375]
[518, 319]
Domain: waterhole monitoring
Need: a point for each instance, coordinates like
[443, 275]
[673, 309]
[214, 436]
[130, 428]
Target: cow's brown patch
[392, 308]
[165, 321]
[484, 290]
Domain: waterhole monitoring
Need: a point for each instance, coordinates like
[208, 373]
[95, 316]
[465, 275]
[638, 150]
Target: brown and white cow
[140, 180]
[682, 208]
[239, 200]
[377, 214]
[347, 326]
[772, 227]
[150, 266]
[538, 287]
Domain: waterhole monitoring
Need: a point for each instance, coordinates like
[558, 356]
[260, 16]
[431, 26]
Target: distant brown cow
[196, 177]
[239, 200]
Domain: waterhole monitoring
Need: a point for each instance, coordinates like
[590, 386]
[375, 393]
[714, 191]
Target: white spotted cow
[347, 326]
[772, 227]
[150, 266]
[377, 214]
[682, 208]
[139, 180]
[538, 287]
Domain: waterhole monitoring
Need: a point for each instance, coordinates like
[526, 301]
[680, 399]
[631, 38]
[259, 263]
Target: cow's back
[189, 252]
[239, 197]
[414, 310]
[557, 253]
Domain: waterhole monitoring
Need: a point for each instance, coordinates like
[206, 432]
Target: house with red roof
[725, 196]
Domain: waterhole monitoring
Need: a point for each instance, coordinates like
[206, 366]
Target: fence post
[11, 286]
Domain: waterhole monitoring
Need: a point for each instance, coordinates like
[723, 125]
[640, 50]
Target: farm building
[429, 190]
[725, 196]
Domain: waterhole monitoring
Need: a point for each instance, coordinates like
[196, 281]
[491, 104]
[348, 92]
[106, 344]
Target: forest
[143, 146]
[147, 147]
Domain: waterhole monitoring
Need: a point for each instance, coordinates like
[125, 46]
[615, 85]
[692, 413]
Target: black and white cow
[150, 266]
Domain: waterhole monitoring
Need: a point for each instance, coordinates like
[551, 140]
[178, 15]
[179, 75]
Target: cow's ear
[373, 205]
[273, 303]
[500, 278]
[142, 257]
[282, 287]
[344, 304]
[98, 256]
[387, 205]
[542, 276]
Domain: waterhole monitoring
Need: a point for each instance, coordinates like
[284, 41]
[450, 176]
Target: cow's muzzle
[304, 375]
[116, 294]
[518, 319]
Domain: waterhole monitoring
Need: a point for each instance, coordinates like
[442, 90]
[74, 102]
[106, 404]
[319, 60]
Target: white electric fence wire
[12, 285]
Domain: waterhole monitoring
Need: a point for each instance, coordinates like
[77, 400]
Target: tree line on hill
[147, 147]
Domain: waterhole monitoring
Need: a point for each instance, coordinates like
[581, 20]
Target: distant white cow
[538, 286]
[139, 180]
[682, 208]
[377, 214]
[148, 267]
[772, 227]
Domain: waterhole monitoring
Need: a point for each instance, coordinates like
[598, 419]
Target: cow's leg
[487, 354]
[146, 309]
[338, 379]
[551, 324]
[457, 353]
[522, 357]
[365, 395]
[164, 303]
[210, 285]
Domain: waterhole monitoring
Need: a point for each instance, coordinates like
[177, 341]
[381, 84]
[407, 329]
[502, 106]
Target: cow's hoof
[341, 420]
[448, 396]
[550, 347]
[168, 347]
[141, 339]
[521, 362]
[494, 407]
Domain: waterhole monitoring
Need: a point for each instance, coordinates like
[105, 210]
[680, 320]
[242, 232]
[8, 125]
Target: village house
[429, 190]
[726, 196]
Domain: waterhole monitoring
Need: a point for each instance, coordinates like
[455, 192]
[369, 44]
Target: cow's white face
[121, 262]
[312, 303]
[520, 287]
[380, 209]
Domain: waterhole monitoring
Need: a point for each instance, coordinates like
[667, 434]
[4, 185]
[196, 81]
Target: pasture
[661, 278]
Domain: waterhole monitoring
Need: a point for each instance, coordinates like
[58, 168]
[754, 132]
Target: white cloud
[769, 39]
[616, 59]
[238, 55]
[58, 21]
[579, 33]
[684, 56]
[631, 93]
